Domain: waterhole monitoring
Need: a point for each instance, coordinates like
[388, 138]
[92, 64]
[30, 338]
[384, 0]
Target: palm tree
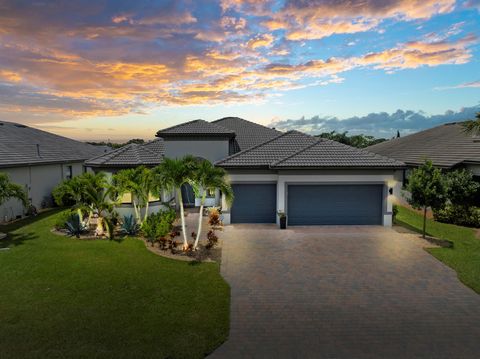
[139, 182]
[472, 127]
[71, 190]
[10, 190]
[89, 192]
[171, 175]
[209, 178]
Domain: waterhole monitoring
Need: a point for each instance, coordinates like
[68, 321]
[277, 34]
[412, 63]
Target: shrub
[214, 217]
[212, 239]
[158, 225]
[74, 226]
[61, 220]
[459, 215]
[394, 212]
[130, 225]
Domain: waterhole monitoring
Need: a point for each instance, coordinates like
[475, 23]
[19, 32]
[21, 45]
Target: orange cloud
[323, 18]
[10, 76]
[260, 41]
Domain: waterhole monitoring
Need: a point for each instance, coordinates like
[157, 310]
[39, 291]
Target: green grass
[69, 298]
[464, 257]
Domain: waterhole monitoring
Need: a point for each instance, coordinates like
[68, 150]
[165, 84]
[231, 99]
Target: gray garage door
[334, 204]
[254, 203]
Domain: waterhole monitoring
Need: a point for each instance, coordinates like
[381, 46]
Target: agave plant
[130, 225]
[75, 226]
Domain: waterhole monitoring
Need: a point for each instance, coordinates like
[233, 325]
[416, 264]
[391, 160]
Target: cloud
[87, 58]
[260, 41]
[316, 19]
[380, 124]
[473, 84]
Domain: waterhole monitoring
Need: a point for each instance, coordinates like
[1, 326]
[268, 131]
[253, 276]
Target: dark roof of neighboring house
[298, 150]
[149, 154]
[446, 146]
[196, 128]
[247, 134]
[21, 145]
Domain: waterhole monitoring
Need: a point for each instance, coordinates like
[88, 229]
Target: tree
[171, 175]
[10, 190]
[427, 188]
[359, 141]
[472, 127]
[209, 178]
[89, 192]
[139, 182]
[461, 187]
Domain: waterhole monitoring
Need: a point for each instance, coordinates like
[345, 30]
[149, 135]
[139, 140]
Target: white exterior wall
[38, 181]
[210, 149]
[390, 179]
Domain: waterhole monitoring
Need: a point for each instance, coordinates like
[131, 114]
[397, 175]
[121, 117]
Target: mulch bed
[202, 254]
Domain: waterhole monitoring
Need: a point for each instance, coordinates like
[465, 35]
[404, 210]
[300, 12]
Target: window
[153, 198]
[69, 172]
[210, 193]
[126, 198]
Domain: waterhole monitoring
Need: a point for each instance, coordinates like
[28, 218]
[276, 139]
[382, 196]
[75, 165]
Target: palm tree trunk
[146, 211]
[424, 220]
[200, 220]
[137, 214]
[182, 218]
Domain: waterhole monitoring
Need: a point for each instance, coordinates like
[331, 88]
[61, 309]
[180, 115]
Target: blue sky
[121, 69]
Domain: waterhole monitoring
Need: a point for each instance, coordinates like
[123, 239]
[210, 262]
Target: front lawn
[464, 257]
[62, 297]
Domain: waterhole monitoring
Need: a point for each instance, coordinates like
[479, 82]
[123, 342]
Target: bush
[394, 212]
[74, 226]
[61, 220]
[214, 217]
[459, 215]
[212, 239]
[158, 225]
[130, 225]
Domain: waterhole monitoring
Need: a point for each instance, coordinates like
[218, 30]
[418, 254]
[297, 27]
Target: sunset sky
[116, 70]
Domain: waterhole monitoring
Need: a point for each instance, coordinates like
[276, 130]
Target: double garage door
[310, 204]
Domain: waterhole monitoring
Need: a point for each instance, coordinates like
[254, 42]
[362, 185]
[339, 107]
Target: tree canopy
[359, 141]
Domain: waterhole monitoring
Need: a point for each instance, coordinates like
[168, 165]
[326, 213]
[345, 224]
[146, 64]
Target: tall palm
[71, 190]
[171, 175]
[472, 127]
[209, 178]
[139, 182]
[11, 190]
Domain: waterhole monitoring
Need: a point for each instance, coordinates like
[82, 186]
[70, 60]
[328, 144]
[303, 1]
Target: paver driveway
[343, 292]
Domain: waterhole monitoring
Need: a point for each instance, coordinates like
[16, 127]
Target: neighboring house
[448, 146]
[313, 180]
[38, 161]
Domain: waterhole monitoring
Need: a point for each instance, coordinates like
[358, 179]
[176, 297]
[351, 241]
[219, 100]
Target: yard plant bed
[64, 297]
[464, 257]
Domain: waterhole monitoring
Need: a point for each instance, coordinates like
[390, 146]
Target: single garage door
[334, 204]
[254, 203]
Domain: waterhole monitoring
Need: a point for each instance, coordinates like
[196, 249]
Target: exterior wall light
[390, 190]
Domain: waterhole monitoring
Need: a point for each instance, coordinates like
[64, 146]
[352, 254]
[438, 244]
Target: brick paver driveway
[343, 292]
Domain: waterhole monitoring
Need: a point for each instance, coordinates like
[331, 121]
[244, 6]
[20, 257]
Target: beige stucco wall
[38, 181]
[210, 149]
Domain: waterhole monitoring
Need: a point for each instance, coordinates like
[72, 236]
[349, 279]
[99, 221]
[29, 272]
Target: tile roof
[446, 145]
[196, 128]
[248, 134]
[149, 154]
[331, 154]
[22, 145]
[298, 150]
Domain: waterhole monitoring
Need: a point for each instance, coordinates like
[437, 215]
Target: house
[38, 160]
[448, 146]
[313, 180]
